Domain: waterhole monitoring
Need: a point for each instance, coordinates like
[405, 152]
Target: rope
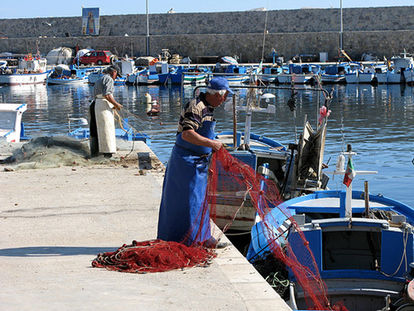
[274, 279]
[403, 257]
[235, 214]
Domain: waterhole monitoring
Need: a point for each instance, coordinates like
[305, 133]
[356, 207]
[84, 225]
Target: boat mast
[342, 28]
[147, 31]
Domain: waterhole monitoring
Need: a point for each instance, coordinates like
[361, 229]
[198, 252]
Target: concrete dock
[55, 221]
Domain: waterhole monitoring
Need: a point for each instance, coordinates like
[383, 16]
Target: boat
[98, 73]
[270, 73]
[65, 75]
[299, 74]
[151, 74]
[188, 75]
[286, 165]
[362, 244]
[396, 70]
[335, 73]
[236, 74]
[126, 132]
[359, 73]
[11, 126]
[30, 71]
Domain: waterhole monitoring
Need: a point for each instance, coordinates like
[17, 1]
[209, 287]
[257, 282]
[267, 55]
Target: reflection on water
[377, 121]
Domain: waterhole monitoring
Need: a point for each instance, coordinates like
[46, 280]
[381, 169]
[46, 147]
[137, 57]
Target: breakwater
[382, 31]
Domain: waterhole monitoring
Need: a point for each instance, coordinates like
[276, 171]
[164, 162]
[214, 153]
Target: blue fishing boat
[270, 73]
[125, 133]
[267, 157]
[189, 75]
[335, 73]
[69, 75]
[236, 74]
[299, 74]
[362, 245]
[97, 73]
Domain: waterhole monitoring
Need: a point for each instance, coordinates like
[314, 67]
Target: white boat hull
[296, 78]
[24, 78]
[332, 78]
[66, 81]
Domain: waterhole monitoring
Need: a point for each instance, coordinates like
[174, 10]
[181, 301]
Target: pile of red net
[154, 256]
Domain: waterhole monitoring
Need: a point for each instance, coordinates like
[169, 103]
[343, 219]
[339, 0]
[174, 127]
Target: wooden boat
[362, 245]
[268, 157]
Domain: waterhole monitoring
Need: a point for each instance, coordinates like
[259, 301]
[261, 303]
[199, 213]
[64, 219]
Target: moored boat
[295, 170]
[11, 127]
[29, 71]
[362, 244]
[335, 73]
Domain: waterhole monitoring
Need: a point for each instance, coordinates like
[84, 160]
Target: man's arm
[112, 100]
[194, 138]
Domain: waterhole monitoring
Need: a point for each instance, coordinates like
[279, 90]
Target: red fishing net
[229, 176]
[154, 256]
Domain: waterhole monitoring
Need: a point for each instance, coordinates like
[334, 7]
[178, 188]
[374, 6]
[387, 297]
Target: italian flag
[349, 173]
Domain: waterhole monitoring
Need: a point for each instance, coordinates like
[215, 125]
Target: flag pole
[348, 198]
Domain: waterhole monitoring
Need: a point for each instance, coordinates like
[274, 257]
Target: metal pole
[342, 29]
[234, 123]
[148, 30]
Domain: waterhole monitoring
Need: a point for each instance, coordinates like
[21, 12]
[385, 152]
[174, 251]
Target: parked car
[97, 57]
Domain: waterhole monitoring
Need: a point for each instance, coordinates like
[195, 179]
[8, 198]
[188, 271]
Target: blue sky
[52, 8]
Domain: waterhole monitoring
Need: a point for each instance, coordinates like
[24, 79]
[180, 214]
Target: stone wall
[383, 31]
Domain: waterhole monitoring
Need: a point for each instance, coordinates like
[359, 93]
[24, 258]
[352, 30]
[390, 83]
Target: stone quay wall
[381, 31]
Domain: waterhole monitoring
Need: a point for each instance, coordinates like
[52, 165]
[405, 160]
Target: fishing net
[48, 152]
[154, 256]
[229, 176]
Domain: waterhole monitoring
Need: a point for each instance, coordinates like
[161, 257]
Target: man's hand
[216, 145]
[118, 106]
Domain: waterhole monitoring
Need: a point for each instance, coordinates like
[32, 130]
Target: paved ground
[54, 221]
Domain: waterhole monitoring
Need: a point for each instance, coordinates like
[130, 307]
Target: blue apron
[184, 190]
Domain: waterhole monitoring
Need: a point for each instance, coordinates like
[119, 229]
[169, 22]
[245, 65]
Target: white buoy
[148, 98]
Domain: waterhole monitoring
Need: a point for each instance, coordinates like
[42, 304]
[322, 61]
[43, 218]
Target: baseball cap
[219, 83]
[116, 68]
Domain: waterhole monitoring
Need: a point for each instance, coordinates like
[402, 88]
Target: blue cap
[219, 83]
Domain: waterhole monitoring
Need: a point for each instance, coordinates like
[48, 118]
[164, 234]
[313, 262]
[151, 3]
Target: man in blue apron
[181, 216]
[102, 123]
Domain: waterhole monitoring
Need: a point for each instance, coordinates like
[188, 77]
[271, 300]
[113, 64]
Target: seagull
[49, 24]
[171, 11]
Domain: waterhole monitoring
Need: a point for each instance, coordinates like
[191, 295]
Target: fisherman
[181, 216]
[102, 123]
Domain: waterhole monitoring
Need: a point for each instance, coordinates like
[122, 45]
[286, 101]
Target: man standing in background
[102, 123]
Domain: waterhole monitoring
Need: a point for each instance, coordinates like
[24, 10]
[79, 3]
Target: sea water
[376, 120]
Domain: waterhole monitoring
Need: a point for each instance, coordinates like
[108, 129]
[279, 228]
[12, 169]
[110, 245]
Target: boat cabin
[11, 128]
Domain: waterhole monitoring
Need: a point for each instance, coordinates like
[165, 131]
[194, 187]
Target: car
[97, 57]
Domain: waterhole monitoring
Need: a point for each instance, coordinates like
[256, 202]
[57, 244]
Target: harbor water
[376, 120]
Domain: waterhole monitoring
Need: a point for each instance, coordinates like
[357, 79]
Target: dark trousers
[93, 132]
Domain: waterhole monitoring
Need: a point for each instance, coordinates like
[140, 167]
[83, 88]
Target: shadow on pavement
[44, 251]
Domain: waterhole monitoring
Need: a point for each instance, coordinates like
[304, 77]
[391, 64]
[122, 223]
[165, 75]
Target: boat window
[7, 120]
[359, 250]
